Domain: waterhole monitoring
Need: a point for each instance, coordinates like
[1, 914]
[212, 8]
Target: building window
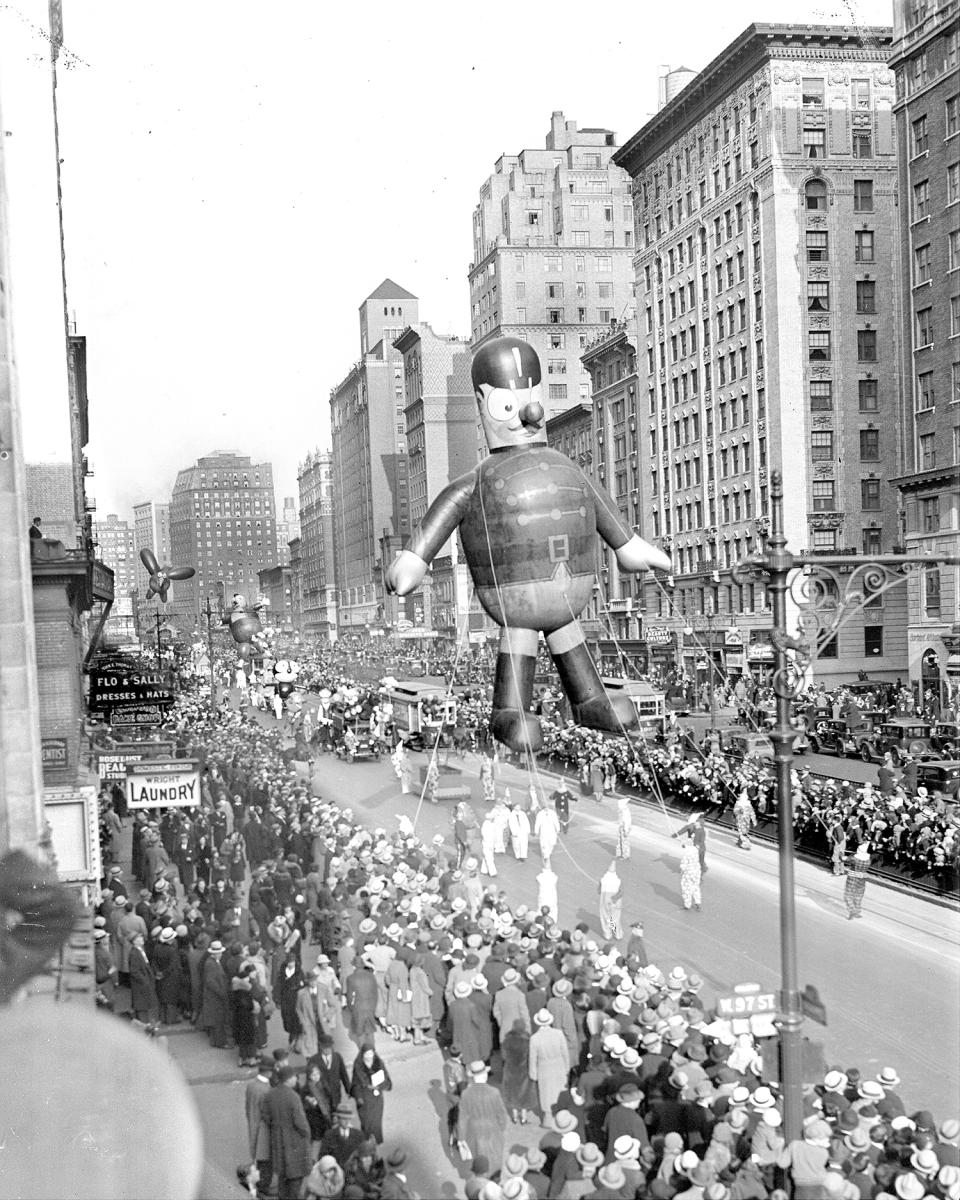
[824, 495]
[925, 391]
[814, 143]
[824, 539]
[921, 199]
[863, 195]
[871, 541]
[818, 345]
[873, 640]
[927, 451]
[953, 183]
[930, 515]
[558, 341]
[925, 327]
[863, 246]
[921, 264]
[919, 137]
[866, 296]
[952, 117]
[816, 195]
[555, 316]
[821, 445]
[554, 291]
[812, 92]
[821, 395]
[870, 495]
[931, 592]
[862, 144]
[557, 391]
[869, 445]
[604, 263]
[867, 345]
[817, 249]
[860, 93]
[954, 316]
[818, 297]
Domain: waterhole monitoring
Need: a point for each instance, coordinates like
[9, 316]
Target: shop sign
[760, 652]
[113, 764]
[138, 715]
[734, 661]
[115, 688]
[53, 752]
[657, 635]
[732, 637]
[72, 815]
[163, 783]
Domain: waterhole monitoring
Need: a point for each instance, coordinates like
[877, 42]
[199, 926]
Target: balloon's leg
[581, 681]
[511, 721]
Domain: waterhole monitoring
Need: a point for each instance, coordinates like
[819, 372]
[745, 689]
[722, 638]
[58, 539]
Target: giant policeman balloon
[528, 519]
[160, 577]
[245, 625]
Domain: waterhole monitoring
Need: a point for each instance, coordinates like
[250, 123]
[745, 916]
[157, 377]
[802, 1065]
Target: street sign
[163, 783]
[746, 1000]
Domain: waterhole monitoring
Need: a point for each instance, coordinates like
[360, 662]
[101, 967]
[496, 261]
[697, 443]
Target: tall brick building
[318, 593]
[371, 512]
[151, 531]
[552, 249]
[768, 303]
[925, 61]
[223, 523]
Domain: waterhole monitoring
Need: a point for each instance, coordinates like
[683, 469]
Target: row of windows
[820, 345]
[553, 290]
[822, 445]
[825, 496]
[602, 263]
[921, 199]
[821, 395]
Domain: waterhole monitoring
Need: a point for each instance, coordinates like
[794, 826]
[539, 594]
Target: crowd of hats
[657, 1046]
[915, 828]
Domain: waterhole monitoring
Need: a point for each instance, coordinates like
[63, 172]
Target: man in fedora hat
[482, 1118]
[281, 1112]
[343, 1139]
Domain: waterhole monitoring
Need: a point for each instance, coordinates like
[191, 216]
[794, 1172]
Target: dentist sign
[163, 783]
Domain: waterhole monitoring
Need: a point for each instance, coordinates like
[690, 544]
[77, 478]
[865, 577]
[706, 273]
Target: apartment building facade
[552, 249]
[927, 109]
[318, 592]
[768, 299]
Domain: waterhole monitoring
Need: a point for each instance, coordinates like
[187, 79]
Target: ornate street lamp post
[825, 603]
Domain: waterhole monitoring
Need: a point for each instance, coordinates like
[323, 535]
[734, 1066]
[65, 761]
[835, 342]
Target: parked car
[946, 737]
[742, 743]
[941, 775]
[900, 737]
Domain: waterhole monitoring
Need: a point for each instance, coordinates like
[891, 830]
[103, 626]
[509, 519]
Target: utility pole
[209, 614]
[158, 617]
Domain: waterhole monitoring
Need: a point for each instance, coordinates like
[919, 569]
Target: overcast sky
[238, 176]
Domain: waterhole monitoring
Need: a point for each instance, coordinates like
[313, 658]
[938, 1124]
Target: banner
[163, 783]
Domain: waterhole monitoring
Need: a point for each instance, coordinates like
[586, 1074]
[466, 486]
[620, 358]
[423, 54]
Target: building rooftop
[388, 290]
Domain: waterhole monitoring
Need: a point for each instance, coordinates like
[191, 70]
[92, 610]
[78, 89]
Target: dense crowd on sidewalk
[638, 1090]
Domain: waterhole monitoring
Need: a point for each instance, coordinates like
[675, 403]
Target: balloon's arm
[633, 553]
[443, 516]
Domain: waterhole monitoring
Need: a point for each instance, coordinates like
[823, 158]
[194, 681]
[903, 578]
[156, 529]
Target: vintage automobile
[741, 743]
[767, 717]
[946, 737]
[835, 737]
[358, 745]
[899, 737]
[940, 775]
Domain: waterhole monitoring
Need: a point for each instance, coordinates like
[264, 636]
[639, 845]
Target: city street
[871, 1022]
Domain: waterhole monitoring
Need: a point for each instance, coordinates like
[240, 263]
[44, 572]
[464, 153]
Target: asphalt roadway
[890, 981]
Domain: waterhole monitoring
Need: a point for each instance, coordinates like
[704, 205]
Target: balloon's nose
[532, 413]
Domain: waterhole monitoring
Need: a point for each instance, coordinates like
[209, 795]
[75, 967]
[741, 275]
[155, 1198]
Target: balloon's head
[506, 380]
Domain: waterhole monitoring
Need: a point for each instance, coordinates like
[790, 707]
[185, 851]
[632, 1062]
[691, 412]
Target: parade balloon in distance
[285, 673]
[245, 625]
[528, 518]
[160, 577]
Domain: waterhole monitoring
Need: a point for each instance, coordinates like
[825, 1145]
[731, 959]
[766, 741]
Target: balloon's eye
[501, 404]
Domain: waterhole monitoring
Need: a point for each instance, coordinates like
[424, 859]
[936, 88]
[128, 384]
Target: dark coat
[334, 1083]
[242, 1013]
[369, 1098]
[166, 964]
[143, 989]
[342, 1148]
[281, 1111]
[361, 991]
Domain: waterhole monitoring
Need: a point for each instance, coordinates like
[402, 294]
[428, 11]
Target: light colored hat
[168, 934]
[763, 1098]
[543, 1016]
[835, 1081]
[215, 948]
[871, 1090]
[626, 1146]
[462, 989]
[888, 1078]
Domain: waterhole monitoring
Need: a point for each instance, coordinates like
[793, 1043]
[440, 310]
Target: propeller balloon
[160, 577]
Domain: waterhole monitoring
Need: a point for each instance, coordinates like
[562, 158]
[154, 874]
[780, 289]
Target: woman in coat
[289, 982]
[244, 1018]
[420, 1010]
[399, 1014]
[202, 858]
[549, 1061]
[370, 1080]
[195, 958]
[516, 1085]
[316, 1104]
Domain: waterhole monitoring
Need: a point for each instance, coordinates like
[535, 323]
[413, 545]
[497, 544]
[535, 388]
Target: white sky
[238, 177]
